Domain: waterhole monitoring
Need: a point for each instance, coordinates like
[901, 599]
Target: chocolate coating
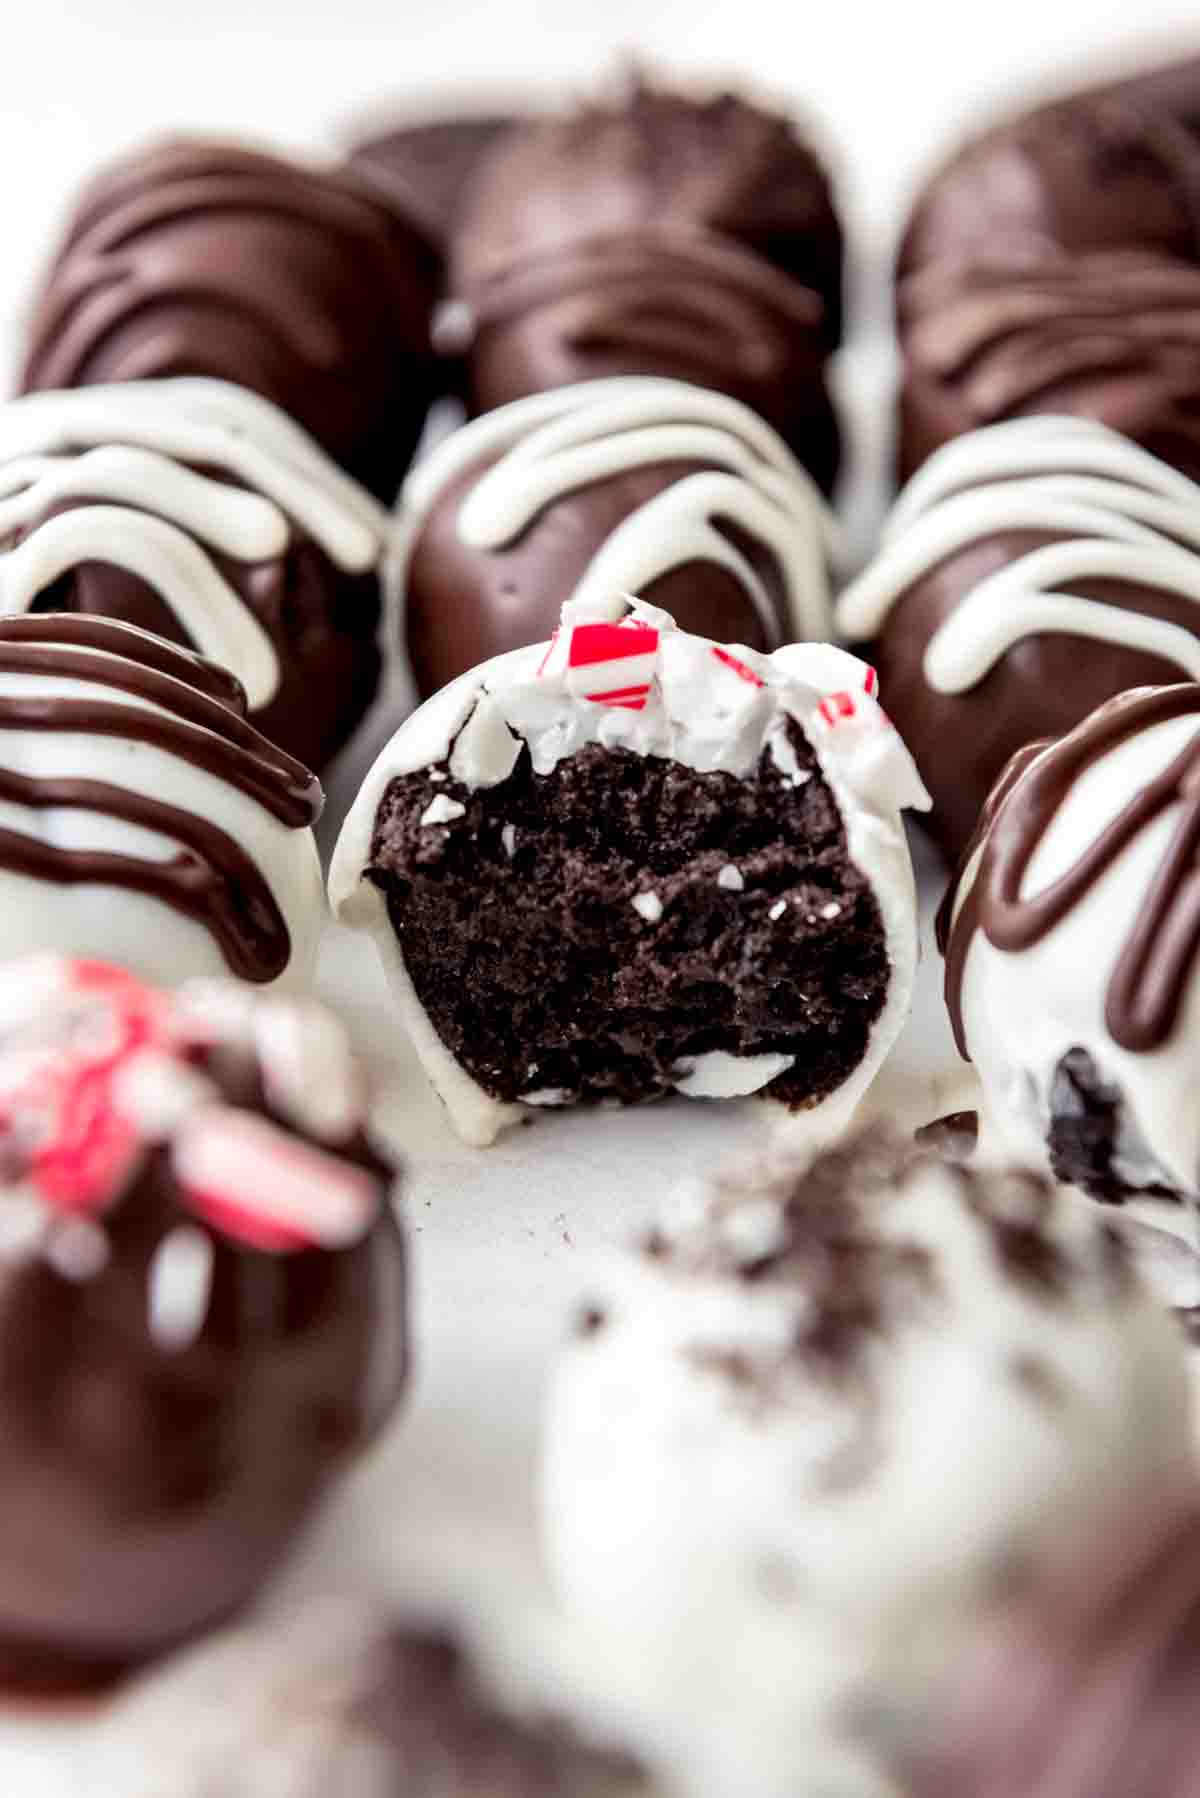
[151, 1477]
[202, 258]
[660, 236]
[1043, 687]
[465, 604]
[425, 170]
[1091, 1691]
[1051, 266]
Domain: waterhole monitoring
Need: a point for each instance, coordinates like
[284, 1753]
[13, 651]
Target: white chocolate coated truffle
[807, 1435]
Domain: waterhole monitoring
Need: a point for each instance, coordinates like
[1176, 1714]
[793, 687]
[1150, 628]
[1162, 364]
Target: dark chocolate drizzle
[1154, 966]
[1006, 334]
[211, 879]
[671, 292]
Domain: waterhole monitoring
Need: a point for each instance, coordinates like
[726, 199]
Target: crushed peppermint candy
[266, 1189]
[831, 911]
[180, 1287]
[777, 910]
[443, 810]
[606, 663]
[508, 839]
[731, 879]
[648, 906]
[97, 1070]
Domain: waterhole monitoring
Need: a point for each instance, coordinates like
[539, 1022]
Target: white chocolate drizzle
[128, 459]
[551, 445]
[1121, 514]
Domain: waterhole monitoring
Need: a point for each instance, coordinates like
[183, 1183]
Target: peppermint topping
[606, 664]
[97, 1070]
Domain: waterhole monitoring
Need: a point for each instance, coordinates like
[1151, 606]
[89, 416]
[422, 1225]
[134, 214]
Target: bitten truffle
[632, 861]
[1071, 937]
[202, 258]
[1028, 572]
[202, 1303]
[643, 486]
[658, 235]
[142, 819]
[198, 510]
[822, 1423]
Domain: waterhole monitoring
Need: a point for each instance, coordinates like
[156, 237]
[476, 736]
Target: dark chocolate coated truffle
[201, 1304]
[197, 510]
[425, 170]
[1030, 571]
[644, 486]
[1052, 267]
[199, 258]
[335, 1700]
[659, 236]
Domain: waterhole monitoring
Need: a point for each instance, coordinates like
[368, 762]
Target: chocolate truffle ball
[1089, 1692]
[1053, 266]
[198, 258]
[650, 487]
[425, 170]
[815, 1429]
[1028, 572]
[201, 512]
[337, 1699]
[662, 235]
[142, 819]
[1071, 939]
[630, 862]
[201, 1303]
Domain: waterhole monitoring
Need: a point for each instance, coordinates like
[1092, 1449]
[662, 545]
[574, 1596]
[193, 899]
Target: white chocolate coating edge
[869, 771]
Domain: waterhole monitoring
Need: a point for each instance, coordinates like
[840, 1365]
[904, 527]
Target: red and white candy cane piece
[835, 708]
[244, 1176]
[612, 664]
[736, 666]
[60, 1108]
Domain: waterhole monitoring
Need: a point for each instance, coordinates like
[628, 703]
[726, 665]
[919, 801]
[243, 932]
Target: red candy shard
[739, 668]
[243, 1175]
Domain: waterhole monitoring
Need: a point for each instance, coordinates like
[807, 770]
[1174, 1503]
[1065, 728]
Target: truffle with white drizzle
[812, 1431]
[202, 512]
[680, 495]
[202, 1303]
[142, 818]
[1028, 572]
[1071, 939]
[632, 861]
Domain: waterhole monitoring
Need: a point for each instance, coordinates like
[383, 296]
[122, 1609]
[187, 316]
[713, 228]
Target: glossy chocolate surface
[152, 1476]
[1052, 266]
[202, 258]
[661, 236]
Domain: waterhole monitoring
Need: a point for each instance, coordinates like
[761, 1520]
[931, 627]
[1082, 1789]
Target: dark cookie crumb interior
[518, 926]
[1085, 1129]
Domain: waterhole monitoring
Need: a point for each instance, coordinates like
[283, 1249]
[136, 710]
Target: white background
[503, 1241]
